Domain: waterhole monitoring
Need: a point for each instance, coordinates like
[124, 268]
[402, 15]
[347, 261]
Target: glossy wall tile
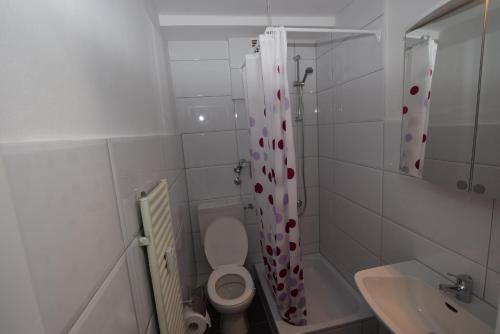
[76, 203]
[374, 214]
[215, 134]
[67, 212]
[111, 310]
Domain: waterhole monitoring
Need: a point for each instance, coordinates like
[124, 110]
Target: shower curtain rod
[377, 33]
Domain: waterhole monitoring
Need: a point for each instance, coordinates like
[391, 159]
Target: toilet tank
[208, 212]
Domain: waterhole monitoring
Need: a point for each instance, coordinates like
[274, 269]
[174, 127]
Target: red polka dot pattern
[291, 224]
[416, 106]
[273, 175]
[269, 250]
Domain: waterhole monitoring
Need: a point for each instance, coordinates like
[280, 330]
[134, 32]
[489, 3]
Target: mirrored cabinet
[451, 102]
[486, 167]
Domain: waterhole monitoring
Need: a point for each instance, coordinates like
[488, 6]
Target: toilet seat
[225, 242]
[230, 288]
[248, 293]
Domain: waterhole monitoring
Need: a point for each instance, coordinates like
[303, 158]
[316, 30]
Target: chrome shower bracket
[239, 167]
[237, 170]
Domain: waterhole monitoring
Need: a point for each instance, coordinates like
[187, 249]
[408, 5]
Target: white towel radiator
[160, 242]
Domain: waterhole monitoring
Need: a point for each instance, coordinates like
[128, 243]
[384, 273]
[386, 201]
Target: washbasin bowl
[405, 297]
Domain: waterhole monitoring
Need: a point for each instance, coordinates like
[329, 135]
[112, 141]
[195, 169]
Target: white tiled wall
[214, 126]
[373, 214]
[20, 309]
[111, 310]
[57, 190]
[201, 78]
[138, 163]
[75, 203]
[210, 148]
[310, 220]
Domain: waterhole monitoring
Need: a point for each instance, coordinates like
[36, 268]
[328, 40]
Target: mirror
[451, 102]
[486, 167]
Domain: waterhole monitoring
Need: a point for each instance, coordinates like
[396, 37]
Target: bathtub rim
[279, 326]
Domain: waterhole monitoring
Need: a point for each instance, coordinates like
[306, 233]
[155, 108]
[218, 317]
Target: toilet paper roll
[196, 323]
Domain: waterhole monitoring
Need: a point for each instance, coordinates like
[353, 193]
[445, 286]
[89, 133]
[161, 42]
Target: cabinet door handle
[479, 188]
[462, 185]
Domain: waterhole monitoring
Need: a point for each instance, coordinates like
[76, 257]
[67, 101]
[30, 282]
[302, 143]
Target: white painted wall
[81, 70]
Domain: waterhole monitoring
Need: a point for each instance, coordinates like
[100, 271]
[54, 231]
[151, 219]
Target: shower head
[309, 70]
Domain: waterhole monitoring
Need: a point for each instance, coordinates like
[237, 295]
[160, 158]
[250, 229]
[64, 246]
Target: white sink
[405, 297]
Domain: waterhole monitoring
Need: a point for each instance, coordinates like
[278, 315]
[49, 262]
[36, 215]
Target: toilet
[230, 287]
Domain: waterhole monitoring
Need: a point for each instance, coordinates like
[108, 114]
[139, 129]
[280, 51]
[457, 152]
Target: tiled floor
[256, 318]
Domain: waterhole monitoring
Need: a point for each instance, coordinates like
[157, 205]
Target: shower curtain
[274, 173]
[419, 67]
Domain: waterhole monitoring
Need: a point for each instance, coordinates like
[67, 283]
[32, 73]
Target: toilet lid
[226, 242]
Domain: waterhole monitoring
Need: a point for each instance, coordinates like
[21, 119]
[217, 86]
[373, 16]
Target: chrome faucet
[462, 289]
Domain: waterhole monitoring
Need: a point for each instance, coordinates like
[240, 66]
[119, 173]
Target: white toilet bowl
[230, 287]
[231, 291]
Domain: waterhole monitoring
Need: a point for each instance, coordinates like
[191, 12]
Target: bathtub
[331, 302]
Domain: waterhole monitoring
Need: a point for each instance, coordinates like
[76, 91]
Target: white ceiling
[251, 7]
